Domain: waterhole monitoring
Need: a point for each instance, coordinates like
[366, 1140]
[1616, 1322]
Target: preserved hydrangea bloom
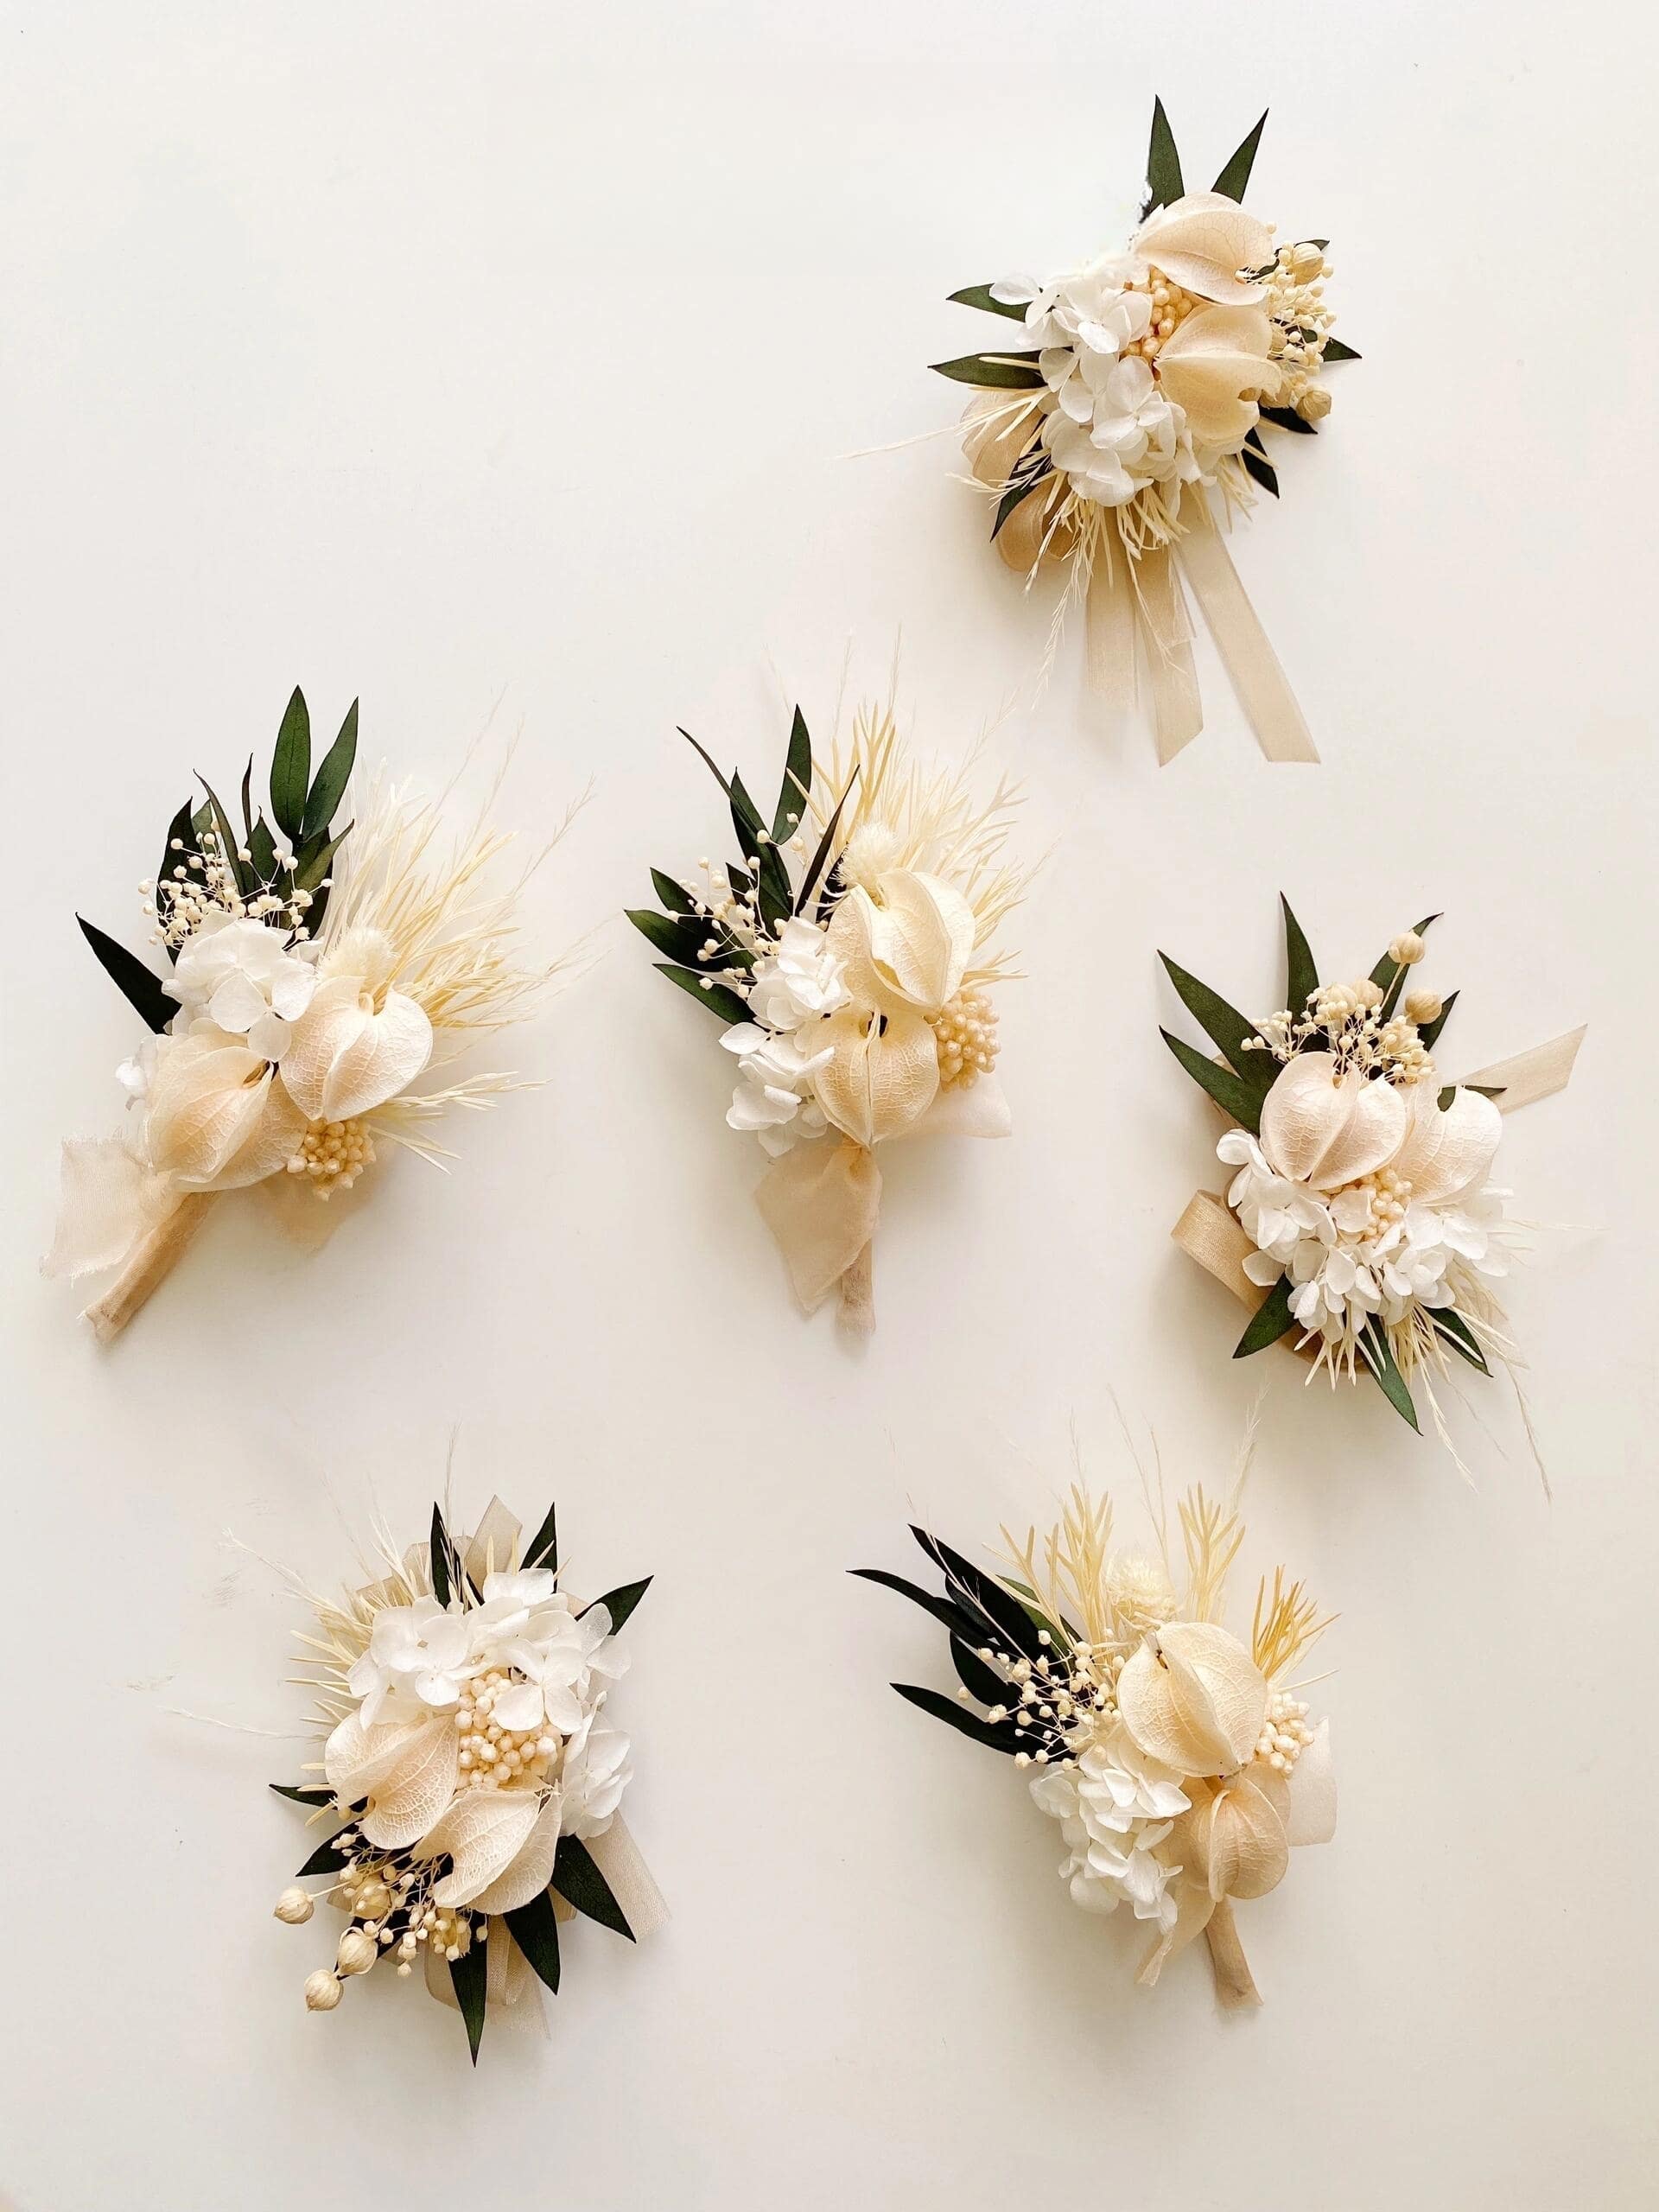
[773, 1099]
[244, 975]
[1114, 1807]
[799, 980]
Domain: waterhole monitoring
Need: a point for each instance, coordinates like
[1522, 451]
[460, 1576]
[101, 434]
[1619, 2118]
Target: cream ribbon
[115, 1211]
[1140, 599]
[821, 1202]
[509, 1975]
[1209, 1232]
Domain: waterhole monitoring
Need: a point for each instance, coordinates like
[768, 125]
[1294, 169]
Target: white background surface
[446, 355]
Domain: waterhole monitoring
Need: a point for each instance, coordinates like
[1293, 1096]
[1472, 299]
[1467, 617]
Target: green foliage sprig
[302, 808]
[761, 876]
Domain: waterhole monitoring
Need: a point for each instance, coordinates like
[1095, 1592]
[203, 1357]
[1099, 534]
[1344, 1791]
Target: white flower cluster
[1114, 1807]
[1371, 1199]
[800, 981]
[1154, 360]
[522, 1678]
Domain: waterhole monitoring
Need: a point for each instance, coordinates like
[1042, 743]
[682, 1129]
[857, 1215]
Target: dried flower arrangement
[1144, 380]
[315, 975]
[461, 1695]
[1361, 1204]
[850, 953]
[1178, 1758]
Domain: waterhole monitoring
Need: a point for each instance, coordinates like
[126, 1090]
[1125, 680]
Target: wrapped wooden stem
[858, 1292]
[1235, 1984]
[147, 1266]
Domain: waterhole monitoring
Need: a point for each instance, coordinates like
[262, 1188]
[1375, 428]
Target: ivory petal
[483, 1831]
[531, 1870]
[205, 1101]
[921, 936]
[1202, 240]
[1248, 1852]
[882, 1074]
[407, 1798]
[357, 1761]
[1300, 1114]
[1316, 1129]
[327, 1027]
[384, 1058]
[1215, 365]
[1197, 1702]
[268, 1145]
[1469, 1131]
[1368, 1138]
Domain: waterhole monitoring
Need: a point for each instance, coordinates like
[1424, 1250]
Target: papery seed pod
[1233, 1840]
[322, 1992]
[882, 1075]
[1192, 1697]
[295, 1906]
[356, 1952]
[1324, 1129]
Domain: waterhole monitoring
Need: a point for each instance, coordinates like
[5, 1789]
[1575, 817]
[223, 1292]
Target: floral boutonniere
[1176, 1757]
[850, 951]
[1140, 382]
[469, 1768]
[319, 975]
[1361, 1201]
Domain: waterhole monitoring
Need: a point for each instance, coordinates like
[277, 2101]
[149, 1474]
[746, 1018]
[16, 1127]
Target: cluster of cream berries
[1285, 1733]
[332, 1155]
[386, 1899]
[1389, 1195]
[494, 1757]
[965, 1031]
[205, 883]
[1301, 323]
[1171, 306]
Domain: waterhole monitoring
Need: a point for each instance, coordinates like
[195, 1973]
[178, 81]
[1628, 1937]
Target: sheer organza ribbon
[822, 1200]
[1209, 1232]
[509, 1975]
[1137, 622]
[116, 1211]
[1135, 613]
